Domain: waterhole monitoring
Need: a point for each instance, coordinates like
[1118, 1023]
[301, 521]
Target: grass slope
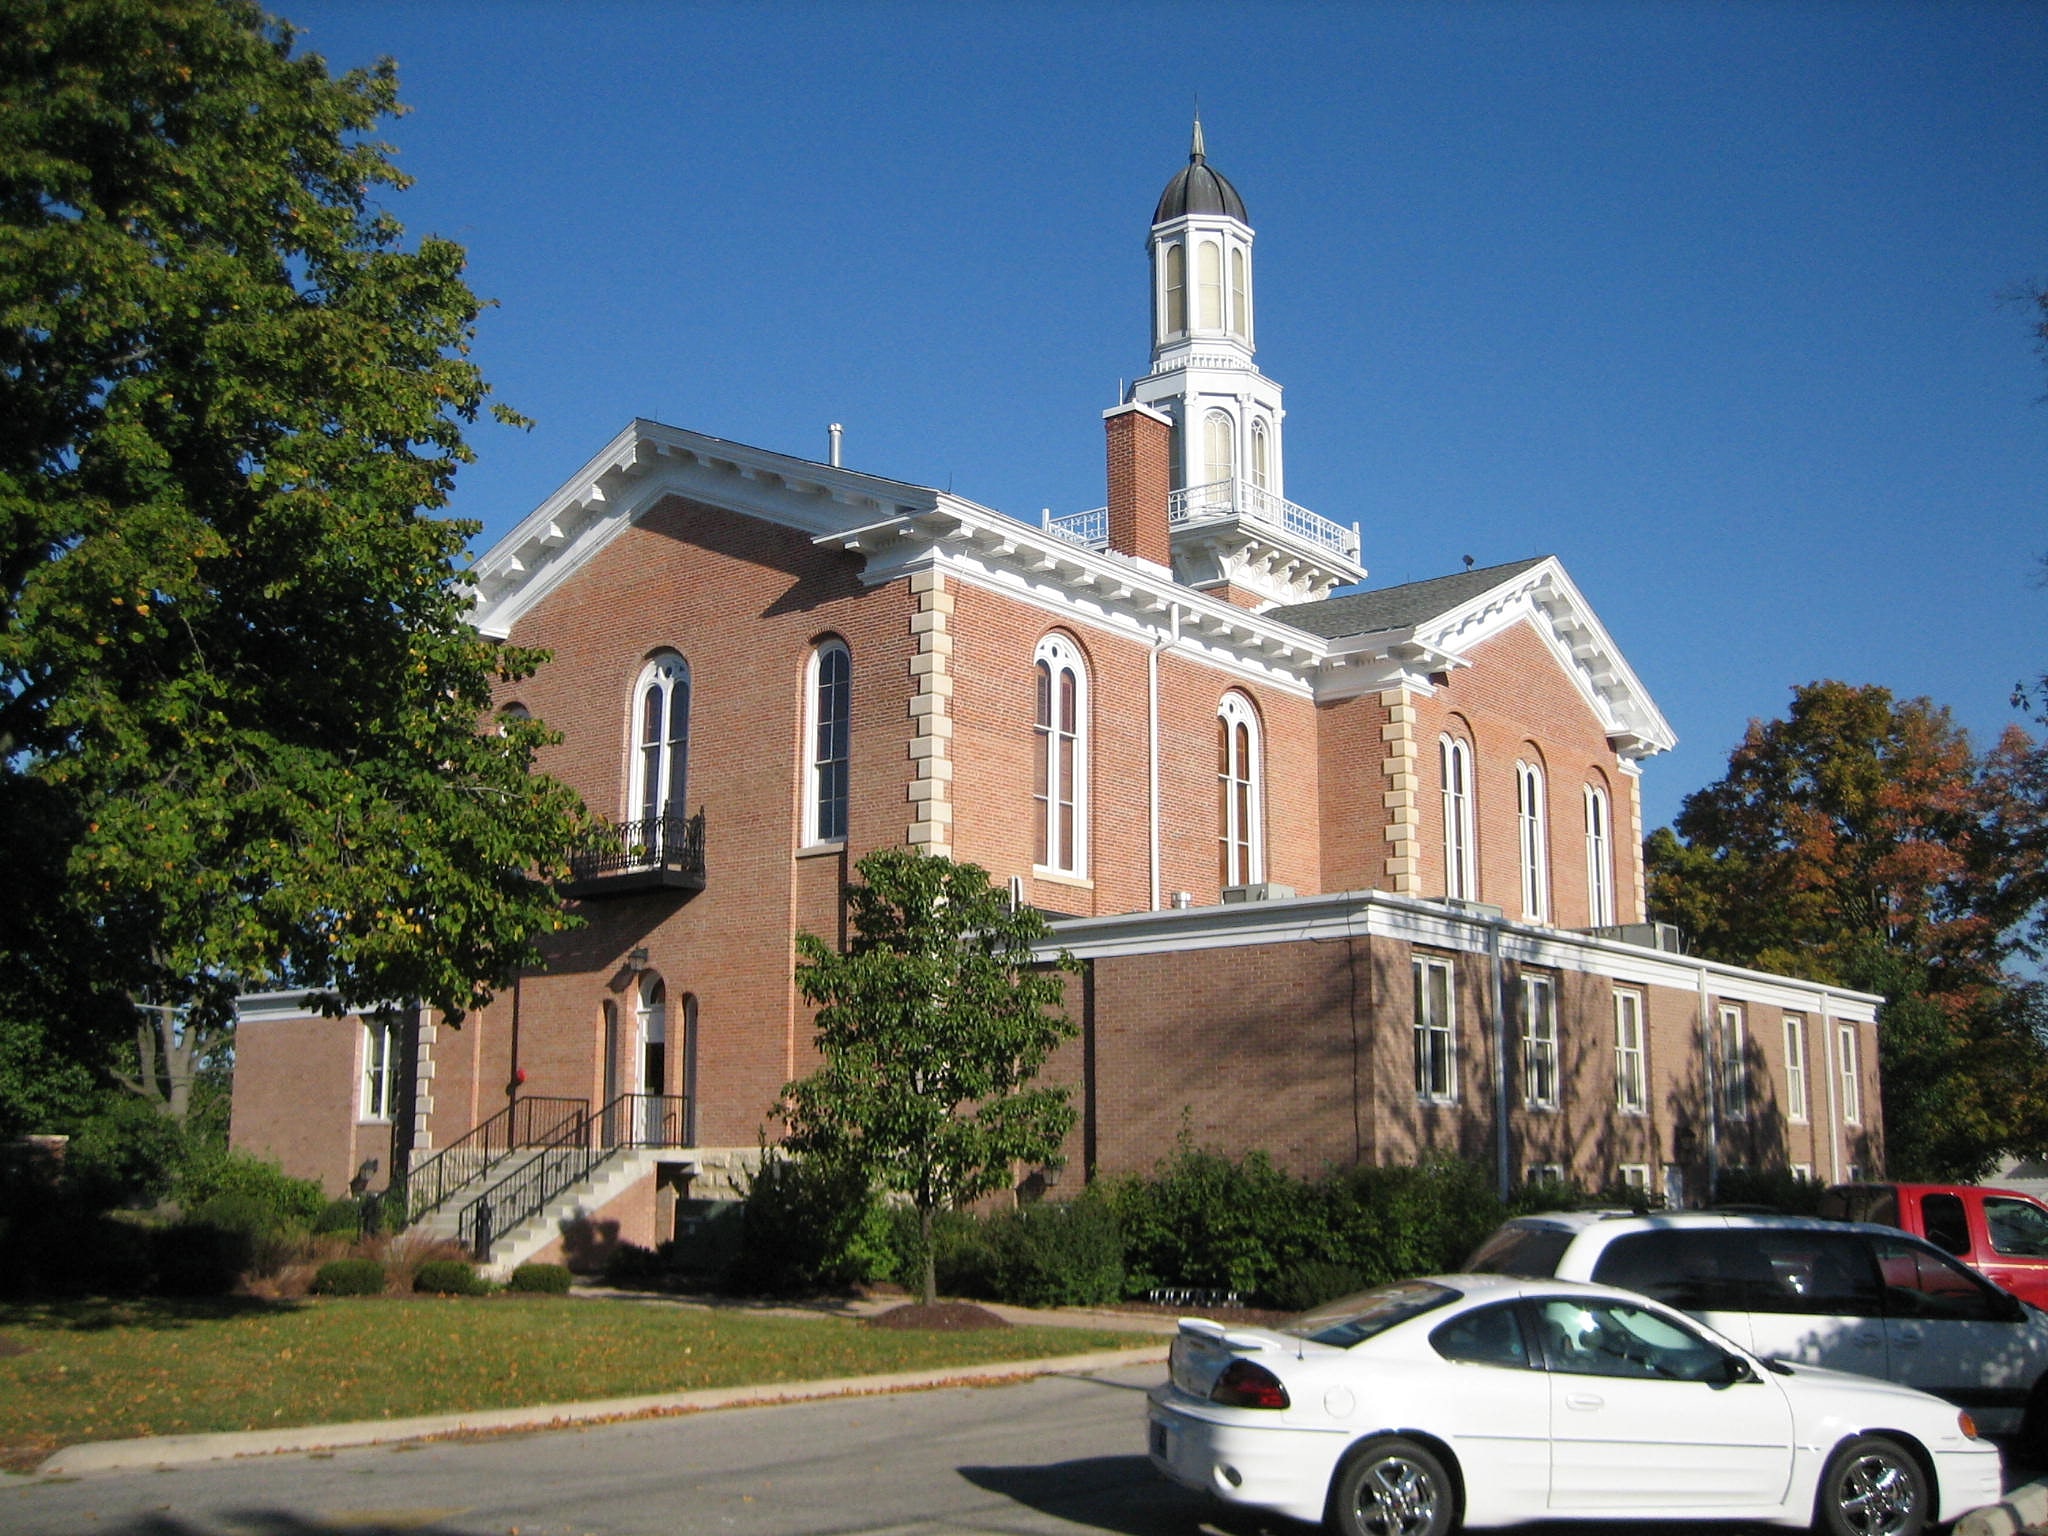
[78, 1371]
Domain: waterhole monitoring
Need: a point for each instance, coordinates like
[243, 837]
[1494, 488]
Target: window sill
[822, 850]
[1438, 1103]
[1062, 877]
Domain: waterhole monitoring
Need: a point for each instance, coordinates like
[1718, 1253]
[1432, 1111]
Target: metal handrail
[522, 1123]
[653, 842]
[630, 1120]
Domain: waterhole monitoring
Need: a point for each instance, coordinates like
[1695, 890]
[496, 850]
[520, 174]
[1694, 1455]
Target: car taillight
[1245, 1384]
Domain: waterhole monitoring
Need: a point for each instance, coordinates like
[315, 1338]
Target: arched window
[1209, 285]
[1241, 856]
[1176, 289]
[1461, 878]
[1262, 457]
[1240, 293]
[825, 784]
[510, 715]
[1219, 447]
[1535, 839]
[650, 1070]
[1599, 858]
[1062, 767]
[662, 742]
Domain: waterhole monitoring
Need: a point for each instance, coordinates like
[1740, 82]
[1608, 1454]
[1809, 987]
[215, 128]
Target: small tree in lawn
[932, 1025]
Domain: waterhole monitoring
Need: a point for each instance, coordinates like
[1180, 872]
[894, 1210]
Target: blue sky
[1712, 301]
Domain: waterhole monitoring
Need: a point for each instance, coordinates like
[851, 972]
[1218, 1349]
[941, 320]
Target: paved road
[1051, 1457]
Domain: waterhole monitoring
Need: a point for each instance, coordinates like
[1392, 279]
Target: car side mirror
[1735, 1369]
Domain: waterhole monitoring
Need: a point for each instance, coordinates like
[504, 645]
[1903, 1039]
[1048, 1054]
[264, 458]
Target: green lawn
[101, 1370]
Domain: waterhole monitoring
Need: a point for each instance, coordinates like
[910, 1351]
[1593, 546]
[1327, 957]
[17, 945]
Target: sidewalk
[175, 1450]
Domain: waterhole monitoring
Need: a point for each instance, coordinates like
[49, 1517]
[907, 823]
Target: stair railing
[522, 1123]
[569, 1158]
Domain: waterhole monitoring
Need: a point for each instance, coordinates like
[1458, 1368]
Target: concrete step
[617, 1173]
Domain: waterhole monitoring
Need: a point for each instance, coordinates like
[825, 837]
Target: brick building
[1354, 876]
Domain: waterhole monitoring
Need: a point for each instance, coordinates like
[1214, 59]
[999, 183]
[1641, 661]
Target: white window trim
[1851, 1057]
[379, 1071]
[1058, 654]
[814, 835]
[1535, 841]
[1634, 1176]
[1235, 710]
[1731, 1061]
[665, 671]
[1545, 1173]
[1631, 1061]
[1540, 1053]
[1798, 1105]
[1454, 761]
[1446, 1028]
[1599, 857]
[1219, 431]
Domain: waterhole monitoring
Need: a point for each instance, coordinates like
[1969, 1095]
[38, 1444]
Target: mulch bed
[939, 1317]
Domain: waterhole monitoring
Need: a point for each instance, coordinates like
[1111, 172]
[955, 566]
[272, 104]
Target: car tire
[1873, 1486]
[1393, 1486]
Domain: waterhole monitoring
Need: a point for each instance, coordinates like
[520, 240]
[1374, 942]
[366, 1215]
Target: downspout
[1707, 1044]
[1152, 746]
[1496, 988]
[1829, 1066]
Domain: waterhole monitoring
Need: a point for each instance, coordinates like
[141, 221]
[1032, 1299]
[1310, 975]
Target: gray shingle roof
[1365, 613]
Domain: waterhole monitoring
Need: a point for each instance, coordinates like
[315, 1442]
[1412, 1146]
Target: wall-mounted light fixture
[637, 958]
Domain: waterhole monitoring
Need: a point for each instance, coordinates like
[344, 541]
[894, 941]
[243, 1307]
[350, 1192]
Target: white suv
[1848, 1295]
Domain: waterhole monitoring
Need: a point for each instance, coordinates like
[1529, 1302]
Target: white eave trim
[1379, 914]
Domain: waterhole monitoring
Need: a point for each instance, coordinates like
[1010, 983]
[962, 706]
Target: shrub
[1775, 1188]
[1205, 1221]
[1398, 1220]
[808, 1225]
[200, 1258]
[349, 1277]
[1057, 1254]
[540, 1279]
[1313, 1282]
[341, 1218]
[289, 1204]
[449, 1277]
[130, 1153]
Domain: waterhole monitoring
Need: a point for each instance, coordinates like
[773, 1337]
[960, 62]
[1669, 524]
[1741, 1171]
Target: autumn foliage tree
[245, 734]
[1862, 840]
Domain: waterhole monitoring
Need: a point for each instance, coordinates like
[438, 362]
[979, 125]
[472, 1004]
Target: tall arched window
[1240, 293]
[1062, 767]
[650, 1071]
[1241, 857]
[1262, 457]
[1599, 858]
[1219, 447]
[1461, 877]
[662, 741]
[1535, 837]
[1176, 289]
[1209, 285]
[831, 699]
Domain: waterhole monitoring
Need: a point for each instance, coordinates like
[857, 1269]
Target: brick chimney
[1140, 476]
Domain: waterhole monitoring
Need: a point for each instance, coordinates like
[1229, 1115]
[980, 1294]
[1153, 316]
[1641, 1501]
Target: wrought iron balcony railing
[659, 852]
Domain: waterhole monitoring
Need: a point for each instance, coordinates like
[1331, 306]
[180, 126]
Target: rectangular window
[377, 1069]
[1803, 1172]
[1546, 1173]
[1795, 1068]
[1731, 1065]
[1852, 1077]
[1635, 1176]
[1630, 1087]
[1539, 1042]
[1436, 1063]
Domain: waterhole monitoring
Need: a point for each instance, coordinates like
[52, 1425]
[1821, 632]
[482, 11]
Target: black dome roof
[1198, 189]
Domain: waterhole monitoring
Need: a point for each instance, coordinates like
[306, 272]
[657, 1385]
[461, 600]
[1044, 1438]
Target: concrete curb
[176, 1450]
[2023, 1509]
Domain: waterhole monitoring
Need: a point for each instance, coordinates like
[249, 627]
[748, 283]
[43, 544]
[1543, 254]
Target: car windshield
[1353, 1319]
[1529, 1251]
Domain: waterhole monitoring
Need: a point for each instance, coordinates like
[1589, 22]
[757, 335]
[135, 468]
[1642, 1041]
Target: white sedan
[1484, 1400]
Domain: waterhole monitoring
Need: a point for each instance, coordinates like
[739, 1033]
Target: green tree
[244, 724]
[1863, 841]
[932, 1024]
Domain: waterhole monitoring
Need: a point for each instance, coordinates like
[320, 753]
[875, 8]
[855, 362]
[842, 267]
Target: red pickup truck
[2000, 1233]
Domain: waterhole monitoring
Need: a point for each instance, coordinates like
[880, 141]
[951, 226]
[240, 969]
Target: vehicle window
[1921, 1283]
[1826, 1274]
[1607, 1338]
[1531, 1252]
[1947, 1227]
[1484, 1336]
[1716, 1271]
[1354, 1319]
[2019, 1228]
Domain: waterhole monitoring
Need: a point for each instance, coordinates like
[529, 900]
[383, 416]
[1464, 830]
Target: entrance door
[653, 1063]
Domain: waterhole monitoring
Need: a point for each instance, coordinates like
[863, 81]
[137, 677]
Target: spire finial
[1197, 152]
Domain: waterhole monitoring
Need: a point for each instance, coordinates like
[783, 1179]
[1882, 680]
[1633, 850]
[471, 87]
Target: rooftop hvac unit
[1664, 936]
[1264, 891]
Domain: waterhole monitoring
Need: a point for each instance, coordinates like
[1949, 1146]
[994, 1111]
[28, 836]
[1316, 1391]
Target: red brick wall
[296, 1097]
[1139, 444]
